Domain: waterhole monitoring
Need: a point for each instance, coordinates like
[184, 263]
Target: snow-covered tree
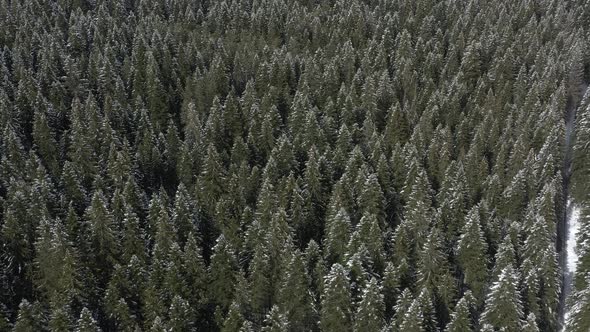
[86, 323]
[471, 254]
[336, 301]
[369, 315]
[503, 307]
[460, 318]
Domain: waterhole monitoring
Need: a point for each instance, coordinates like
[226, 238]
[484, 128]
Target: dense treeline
[290, 165]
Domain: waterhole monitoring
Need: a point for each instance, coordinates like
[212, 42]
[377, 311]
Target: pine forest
[295, 165]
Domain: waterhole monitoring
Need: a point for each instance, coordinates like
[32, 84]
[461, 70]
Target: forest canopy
[293, 165]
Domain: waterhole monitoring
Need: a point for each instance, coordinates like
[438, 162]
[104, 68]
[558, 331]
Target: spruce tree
[222, 270]
[158, 325]
[531, 324]
[86, 323]
[369, 315]
[336, 301]
[184, 216]
[503, 308]
[234, 319]
[460, 319]
[580, 150]
[294, 297]
[391, 288]
[102, 239]
[337, 236]
[56, 266]
[29, 318]
[371, 199]
[59, 319]
[196, 277]
[210, 180]
[275, 321]
[471, 254]
[180, 315]
[578, 319]
[583, 248]
[413, 318]
[368, 234]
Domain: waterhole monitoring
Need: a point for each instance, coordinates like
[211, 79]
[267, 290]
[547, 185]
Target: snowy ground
[571, 257]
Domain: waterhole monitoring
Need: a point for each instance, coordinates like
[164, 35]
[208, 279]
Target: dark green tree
[86, 323]
[460, 319]
[294, 297]
[222, 273]
[275, 321]
[180, 315]
[337, 236]
[471, 254]
[102, 238]
[369, 315]
[503, 307]
[29, 318]
[336, 301]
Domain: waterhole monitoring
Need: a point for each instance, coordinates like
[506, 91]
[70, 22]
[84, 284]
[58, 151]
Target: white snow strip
[572, 225]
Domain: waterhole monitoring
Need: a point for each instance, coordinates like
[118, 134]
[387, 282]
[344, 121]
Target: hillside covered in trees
[293, 165]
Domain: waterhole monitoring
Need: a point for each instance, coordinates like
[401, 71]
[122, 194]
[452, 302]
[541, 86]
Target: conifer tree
[247, 327]
[195, 274]
[294, 297]
[583, 249]
[531, 324]
[503, 308]
[540, 270]
[429, 314]
[132, 239]
[371, 199]
[28, 318]
[316, 268]
[59, 319]
[460, 319]
[261, 283]
[180, 315]
[369, 315]
[158, 325]
[102, 238]
[4, 322]
[86, 323]
[471, 254]
[234, 319]
[391, 288]
[505, 257]
[275, 321]
[56, 263]
[369, 235]
[336, 301]
[337, 236]
[211, 180]
[413, 318]
[222, 271]
[578, 321]
[45, 142]
[183, 215]
[433, 271]
[581, 148]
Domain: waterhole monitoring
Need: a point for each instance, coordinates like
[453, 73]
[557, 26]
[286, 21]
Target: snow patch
[571, 243]
[572, 226]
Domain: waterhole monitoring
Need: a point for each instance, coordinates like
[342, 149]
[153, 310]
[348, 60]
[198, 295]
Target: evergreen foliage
[282, 165]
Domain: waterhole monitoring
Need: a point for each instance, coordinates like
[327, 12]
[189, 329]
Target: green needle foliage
[293, 165]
